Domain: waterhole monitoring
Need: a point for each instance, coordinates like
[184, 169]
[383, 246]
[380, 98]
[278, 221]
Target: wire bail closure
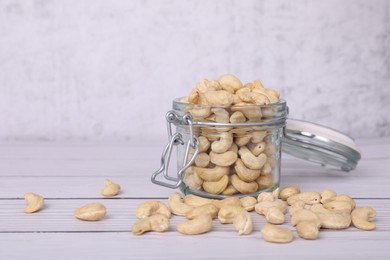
[176, 139]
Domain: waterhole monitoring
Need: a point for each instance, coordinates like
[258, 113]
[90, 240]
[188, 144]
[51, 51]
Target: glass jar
[224, 151]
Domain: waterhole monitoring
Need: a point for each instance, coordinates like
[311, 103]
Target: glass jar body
[238, 149]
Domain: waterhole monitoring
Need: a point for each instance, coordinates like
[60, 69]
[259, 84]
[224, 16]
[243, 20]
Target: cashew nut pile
[231, 160]
[308, 213]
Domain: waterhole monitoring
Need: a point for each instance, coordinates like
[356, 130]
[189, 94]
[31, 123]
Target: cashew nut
[339, 206]
[327, 195]
[331, 219]
[34, 202]
[259, 98]
[296, 206]
[256, 148]
[244, 94]
[245, 173]
[268, 196]
[199, 113]
[276, 234]
[242, 140]
[230, 80]
[362, 218]
[274, 216]
[202, 160]
[289, 191]
[177, 206]
[242, 186]
[251, 161]
[219, 97]
[243, 223]
[237, 117]
[223, 159]
[216, 187]
[345, 198]
[205, 85]
[91, 212]
[305, 215]
[224, 143]
[110, 189]
[212, 174]
[267, 169]
[227, 213]
[265, 181]
[209, 209]
[221, 115]
[232, 201]
[204, 144]
[248, 203]
[262, 207]
[200, 224]
[230, 190]
[192, 179]
[307, 197]
[196, 201]
[250, 111]
[152, 207]
[157, 222]
[307, 230]
[258, 137]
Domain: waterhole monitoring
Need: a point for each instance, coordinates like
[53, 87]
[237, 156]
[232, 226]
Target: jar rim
[278, 118]
[281, 102]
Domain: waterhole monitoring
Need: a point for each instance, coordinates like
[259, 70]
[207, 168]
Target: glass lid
[320, 144]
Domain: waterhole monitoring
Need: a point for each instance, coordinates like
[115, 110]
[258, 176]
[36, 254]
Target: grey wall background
[108, 70]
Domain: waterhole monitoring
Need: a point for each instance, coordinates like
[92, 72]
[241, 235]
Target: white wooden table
[70, 175]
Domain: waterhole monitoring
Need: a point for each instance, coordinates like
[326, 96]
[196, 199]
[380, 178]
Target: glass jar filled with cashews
[228, 138]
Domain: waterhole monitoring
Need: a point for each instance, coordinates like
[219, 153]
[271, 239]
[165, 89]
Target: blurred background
[95, 70]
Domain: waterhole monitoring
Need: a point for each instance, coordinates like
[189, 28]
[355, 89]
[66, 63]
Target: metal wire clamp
[176, 139]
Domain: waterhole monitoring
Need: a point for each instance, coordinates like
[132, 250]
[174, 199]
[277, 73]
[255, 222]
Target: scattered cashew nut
[209, 209]
[276, 234]
[177, 206]
[34, 202]
[157, 222]
[306, 197]
[289, 191]
[91, 212]
[307, 230]
[110, 189]
[305, 215]
[152, 207]
[200, 224]
[362, 218]
[243, 223]
[227, 213]
[248, 203]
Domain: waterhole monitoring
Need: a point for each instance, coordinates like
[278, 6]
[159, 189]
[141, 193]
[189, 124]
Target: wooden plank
[86, 180]
[214, 245]
[57, 216]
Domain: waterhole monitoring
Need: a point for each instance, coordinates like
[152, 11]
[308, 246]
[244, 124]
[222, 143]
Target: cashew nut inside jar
[228, 139]
[228, 135]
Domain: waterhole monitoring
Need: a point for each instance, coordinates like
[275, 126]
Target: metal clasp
[176, 139]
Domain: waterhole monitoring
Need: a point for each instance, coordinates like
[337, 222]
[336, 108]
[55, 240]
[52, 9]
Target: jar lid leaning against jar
[229, 138]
